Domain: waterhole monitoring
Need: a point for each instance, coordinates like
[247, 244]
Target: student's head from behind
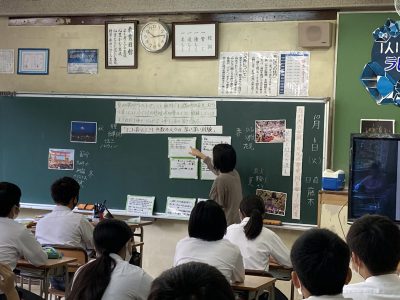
[207, 221]
[224, 158]
[10, 195]
[374, 243]
[110, 236]
[191, 281]
[65, 191]
[320, 262]
[252, 207]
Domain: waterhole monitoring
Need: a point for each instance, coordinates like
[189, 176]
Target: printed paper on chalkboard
[61, 159]
[183, 168]
[180, 146]
[181, 207]
[140, 205]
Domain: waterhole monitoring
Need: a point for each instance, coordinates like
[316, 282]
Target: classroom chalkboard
[120, 164]
[352, 101]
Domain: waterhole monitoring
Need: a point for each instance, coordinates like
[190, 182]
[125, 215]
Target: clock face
[154, 36]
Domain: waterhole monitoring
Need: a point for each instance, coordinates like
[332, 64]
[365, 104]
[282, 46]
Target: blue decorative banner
[381, 76]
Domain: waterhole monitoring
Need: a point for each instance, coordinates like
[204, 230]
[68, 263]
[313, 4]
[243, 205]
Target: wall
[157, 74]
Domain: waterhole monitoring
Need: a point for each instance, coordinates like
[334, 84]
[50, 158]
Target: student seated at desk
[374, 242]
[320, 261]
[191, 281]
[206, 243]
[15, 240]
[62, 226]
[110, 276]
[227, 187]
[7, 283]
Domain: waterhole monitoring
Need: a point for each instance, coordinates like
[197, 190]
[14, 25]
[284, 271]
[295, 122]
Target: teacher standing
[227, 188]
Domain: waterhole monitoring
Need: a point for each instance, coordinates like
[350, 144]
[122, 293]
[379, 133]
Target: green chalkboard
[120, 164]
[352, 101]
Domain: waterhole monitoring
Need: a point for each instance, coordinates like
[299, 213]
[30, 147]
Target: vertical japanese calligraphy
[121, 45]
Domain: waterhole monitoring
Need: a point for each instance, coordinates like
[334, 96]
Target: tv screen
[374, 186]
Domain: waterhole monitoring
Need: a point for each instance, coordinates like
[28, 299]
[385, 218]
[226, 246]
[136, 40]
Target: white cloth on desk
[128, 282]
[256, 252]
[16, 241]
[64, 227]
[375, 288]
[221, 254]
[327, 297]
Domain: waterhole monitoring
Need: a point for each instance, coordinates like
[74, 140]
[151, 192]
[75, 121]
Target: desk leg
[46, 284]
[272, 293]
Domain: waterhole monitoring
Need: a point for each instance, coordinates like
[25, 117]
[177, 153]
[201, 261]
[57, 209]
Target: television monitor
[374, 176]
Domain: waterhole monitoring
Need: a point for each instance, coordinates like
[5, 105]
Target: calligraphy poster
[233, 73]
[263, 73]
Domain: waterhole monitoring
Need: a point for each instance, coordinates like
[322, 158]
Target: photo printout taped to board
[177, 206]
[171, 129]
[180, 146]
[6, 61]
[83, 132]
[170, 109]
[207, 144]
[270, 131]
[274, 202]
[140, 205]
[183, 168]
[166, 120]
[61, 159]
[82, 61]
[298, 162]
[233, 73]
[263, 73]
[294, 73]
[287, 153]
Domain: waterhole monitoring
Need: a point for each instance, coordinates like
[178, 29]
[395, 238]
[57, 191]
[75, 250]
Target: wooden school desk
[50, 268]
[255, 285]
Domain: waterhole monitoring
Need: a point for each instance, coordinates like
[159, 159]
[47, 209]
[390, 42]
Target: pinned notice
[180, 147]
[140, 205]
[177, 206]
[183, 168]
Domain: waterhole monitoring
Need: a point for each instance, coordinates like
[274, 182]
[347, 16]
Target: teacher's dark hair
[109, 236]
[10, 195]
[191, 281]
[224, 158]
[207, 221]
[64, 189]
[376, 241]
[253, 207]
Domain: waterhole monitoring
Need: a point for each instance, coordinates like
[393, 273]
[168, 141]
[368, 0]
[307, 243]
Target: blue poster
[82, 61]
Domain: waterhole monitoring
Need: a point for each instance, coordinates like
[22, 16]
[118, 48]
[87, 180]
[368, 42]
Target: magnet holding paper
[333, 181]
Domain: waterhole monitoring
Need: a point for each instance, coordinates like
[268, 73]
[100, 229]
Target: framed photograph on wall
[33, 61]
[121, 45]
[376, 126]
[195, 40]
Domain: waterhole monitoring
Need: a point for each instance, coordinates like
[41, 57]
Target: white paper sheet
[207, 145]
[183, 168]
[180, 146]
[294, 73]
[233, 73]
[171, 129]
[287, 153]
[7, 61]
[263, 73]
[165, 120]
[177, 206]
[140, 205]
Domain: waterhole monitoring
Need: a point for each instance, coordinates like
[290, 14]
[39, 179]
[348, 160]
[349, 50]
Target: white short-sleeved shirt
[64, 227]
[256, 252]
[380, 287]
[221, 254]
[128, 282]
[16, 241]
[326, 297]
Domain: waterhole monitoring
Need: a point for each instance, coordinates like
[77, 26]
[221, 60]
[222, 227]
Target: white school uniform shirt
[128, 282]
[64, 227]
[221, 254]
[256, 252]
[16, 241]
[328, 297]
[380, 287]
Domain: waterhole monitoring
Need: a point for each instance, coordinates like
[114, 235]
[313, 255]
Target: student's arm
[7, 282]
[86, 230]
[30, 248]
[279, 250]
[207, 160]
[238, 270]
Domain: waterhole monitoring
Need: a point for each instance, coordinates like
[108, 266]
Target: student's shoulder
[229, 245]
[357, 288]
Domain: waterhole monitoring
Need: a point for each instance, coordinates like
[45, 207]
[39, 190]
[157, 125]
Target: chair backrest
[79, 253]
[258, 273]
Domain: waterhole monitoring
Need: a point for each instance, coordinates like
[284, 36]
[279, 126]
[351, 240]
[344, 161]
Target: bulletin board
[137, 164]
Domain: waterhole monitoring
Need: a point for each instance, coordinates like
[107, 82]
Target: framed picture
[33, 61]
[376, 126]
[195, 40]
[121, 45]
